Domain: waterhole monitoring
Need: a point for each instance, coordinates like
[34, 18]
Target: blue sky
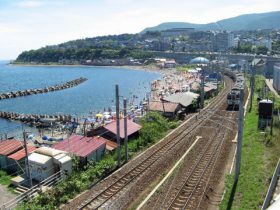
[31, 24]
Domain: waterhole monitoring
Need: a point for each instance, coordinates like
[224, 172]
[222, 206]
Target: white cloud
[30, 24]
[39, 3]
[30, 4]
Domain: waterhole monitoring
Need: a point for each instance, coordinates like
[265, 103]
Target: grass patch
[260, 153]
[154, 127]
[185, 68]
[5, 179]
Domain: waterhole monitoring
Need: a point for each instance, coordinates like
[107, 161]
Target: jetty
[35, 119]
[20, 93]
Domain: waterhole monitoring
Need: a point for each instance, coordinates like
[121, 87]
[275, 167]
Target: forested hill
[77, 51]
[268, 20]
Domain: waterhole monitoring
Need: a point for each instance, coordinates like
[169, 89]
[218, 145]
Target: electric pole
[125, 129]
[202, 88]
[118, 124]
[240, 136]
[26, 159]
[252, 88]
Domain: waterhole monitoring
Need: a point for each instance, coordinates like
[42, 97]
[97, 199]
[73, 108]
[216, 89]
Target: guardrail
[271, 187]
[32, 192]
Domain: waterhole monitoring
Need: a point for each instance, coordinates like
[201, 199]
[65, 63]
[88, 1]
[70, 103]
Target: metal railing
[32, 192]
[272, 186]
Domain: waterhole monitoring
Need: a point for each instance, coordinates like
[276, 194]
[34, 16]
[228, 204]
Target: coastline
[131, 67]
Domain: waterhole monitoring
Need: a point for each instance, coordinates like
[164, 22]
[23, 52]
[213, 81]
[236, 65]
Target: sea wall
[21, 93]
[35, 118]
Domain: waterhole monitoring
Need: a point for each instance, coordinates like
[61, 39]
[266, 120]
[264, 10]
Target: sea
[94, 95]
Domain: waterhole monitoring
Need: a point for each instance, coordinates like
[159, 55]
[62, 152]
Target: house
[86, 148]
[170, 64]
[185, 99]
[8, 147]
[168, 109]
[16, 161]
[45, 162]
[111, 128]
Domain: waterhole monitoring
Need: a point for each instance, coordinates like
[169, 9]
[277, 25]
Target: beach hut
[167, 109]
[16, 161]
[111, 129]
[8, 147]
[86, 148]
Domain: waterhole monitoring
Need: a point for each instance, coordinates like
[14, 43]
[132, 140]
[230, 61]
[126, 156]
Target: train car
[233, 97]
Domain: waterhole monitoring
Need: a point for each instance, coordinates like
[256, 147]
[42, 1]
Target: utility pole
[148, 102]
[118, 124]
[202, 88]
[252, 88]
[125, 128]
[271, 124]
[26, 159]
[240, 136]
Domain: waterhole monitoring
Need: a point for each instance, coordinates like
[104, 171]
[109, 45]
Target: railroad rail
[182, 135]
[191, 192]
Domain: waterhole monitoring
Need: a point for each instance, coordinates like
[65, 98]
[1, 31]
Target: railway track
[191, 192]
[182, 135]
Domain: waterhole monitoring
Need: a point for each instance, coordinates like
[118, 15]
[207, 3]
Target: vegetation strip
[260, 154]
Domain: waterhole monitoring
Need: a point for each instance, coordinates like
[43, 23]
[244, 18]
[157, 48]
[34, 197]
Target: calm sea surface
[97, 93]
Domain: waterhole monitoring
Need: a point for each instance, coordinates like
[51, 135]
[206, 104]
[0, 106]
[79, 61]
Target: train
[233, 97]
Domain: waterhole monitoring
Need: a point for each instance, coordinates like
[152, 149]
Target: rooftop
[163, 106]
[21, 153]
[185, 99]
[80, 145]
[131, 127]
[199, 60]
[39, 158]
[8, 147]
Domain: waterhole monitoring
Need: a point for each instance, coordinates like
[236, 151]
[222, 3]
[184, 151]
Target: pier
[35, 119]
[20, 93]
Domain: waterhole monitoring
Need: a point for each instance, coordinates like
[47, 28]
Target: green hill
[269, 20]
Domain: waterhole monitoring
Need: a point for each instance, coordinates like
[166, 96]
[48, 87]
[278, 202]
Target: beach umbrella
[99, 115]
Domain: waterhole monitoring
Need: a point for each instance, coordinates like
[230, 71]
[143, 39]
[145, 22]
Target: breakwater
[21, 93]
[35, 119]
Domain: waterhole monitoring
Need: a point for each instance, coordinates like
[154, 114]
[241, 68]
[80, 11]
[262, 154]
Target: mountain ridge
[253, 21]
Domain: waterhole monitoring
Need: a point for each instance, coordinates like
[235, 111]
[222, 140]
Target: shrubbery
[154, 127]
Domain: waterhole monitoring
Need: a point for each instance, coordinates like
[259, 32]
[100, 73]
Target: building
[184, 99]
[86, 148]
[45, 162]
[276, 77]
[111, 129]
[177, 32]
[170, 64]
[8, 147]
[16, 161]
[264, 42]
[223, 41]
[167, 109]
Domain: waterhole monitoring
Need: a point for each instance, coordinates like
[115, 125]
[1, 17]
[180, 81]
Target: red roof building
[8, 147]
[21, 153]
[83, 146]
[131, 127]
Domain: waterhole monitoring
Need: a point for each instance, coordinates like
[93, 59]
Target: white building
[265, 42]
[276, 77]
[46, 161]
[223, 41]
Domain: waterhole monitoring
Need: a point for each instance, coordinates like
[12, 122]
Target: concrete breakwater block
[35, 118]
[21, 93]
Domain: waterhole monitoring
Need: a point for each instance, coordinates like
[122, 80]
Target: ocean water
[96, 94]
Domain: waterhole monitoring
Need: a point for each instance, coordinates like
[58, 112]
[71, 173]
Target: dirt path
[5, 195]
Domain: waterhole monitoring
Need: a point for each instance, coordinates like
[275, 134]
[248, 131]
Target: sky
[31, 24]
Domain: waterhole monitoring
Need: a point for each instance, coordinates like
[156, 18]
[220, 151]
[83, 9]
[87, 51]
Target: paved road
[269, 84]
[5, 195]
